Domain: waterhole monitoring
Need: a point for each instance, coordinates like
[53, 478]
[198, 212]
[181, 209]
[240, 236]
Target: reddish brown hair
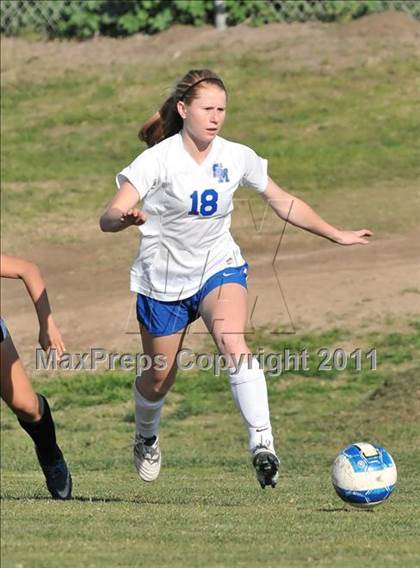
[167, 121]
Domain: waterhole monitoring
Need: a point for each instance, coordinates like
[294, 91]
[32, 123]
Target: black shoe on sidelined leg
[57, 476]
[266, 465]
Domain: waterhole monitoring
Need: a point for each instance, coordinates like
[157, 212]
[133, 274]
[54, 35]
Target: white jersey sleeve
[142, 173]
[255, 170]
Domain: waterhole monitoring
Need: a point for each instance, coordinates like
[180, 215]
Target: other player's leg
[34, 415]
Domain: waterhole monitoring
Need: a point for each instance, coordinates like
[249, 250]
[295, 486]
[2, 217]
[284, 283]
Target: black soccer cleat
[58, 478]
[266, 465]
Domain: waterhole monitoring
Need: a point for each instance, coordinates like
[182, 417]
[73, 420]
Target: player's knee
[26, 408]
[232, 344]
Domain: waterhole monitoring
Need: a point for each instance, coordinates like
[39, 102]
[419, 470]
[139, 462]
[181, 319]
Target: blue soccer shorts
[165, 318]
[3, 331]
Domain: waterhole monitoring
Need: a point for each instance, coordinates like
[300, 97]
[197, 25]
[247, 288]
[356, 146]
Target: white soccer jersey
[186, 238]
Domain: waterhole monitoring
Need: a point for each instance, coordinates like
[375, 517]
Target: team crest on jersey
[220, 173]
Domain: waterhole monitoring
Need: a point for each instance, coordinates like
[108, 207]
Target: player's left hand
[353, 237]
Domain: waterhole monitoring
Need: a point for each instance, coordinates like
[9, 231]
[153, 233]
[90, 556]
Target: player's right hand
[133, 217]
[50, 337]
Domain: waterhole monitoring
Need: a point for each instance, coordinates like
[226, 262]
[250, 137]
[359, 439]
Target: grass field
[207, 508]
[344, 136]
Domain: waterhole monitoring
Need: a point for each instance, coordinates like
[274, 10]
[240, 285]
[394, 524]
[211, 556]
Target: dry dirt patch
[322, 286]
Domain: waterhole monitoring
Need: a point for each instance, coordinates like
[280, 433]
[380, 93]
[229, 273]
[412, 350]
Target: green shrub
[83, 19]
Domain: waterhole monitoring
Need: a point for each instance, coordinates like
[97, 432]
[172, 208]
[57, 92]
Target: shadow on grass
[333, 510]
[149, 501]
[79, 499]
[133, 501]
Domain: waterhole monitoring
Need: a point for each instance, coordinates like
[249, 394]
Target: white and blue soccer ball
[364, 475]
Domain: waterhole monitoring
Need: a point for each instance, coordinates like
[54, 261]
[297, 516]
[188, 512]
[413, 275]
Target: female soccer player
[31, 409]
[188, 264]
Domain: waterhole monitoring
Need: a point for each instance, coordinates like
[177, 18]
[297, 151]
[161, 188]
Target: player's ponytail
[167, 121]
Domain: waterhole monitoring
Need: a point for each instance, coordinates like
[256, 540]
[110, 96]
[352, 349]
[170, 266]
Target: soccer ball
[364, 475]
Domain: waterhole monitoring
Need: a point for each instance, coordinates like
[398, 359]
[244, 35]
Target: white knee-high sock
[147, 414]
[249, 391]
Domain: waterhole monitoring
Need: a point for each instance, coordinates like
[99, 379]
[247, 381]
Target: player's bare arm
[49, 334]
[300, 214]
[122, 211]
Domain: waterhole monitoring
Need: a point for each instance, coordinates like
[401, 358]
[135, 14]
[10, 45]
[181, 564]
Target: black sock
[42, 433]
